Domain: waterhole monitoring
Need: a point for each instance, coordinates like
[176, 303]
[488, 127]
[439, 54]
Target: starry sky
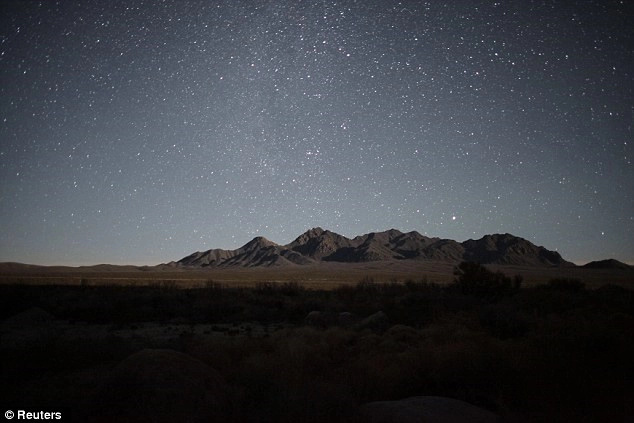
[138, 132]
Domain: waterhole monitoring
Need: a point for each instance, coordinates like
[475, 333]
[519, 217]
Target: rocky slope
[608, 264]
[317, 245]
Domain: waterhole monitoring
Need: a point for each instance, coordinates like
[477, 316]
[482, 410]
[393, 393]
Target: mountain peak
[318, 244]
[309, 234]
[313, 232]
[259, 241]
[510, 249]
[607, 264]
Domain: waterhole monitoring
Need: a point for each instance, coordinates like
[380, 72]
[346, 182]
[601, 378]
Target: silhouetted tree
[474, 279]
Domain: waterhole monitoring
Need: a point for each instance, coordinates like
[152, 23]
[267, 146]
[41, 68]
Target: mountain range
[319, 245]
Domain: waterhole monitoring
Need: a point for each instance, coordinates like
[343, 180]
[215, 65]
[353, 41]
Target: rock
[377, 322]
[314, 318]
[425, 409]
[326, 319]
[320, 319]
[403, 334]
[33, 316]
[160, 385]
[346, 319]
[30, 328]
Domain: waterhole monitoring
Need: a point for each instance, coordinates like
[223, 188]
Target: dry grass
[324, 276]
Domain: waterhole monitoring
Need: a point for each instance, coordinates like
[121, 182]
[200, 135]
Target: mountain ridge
[321, 245]
[608, 264]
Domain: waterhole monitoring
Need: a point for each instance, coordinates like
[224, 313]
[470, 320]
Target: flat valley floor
[319, 276]
[313, 344]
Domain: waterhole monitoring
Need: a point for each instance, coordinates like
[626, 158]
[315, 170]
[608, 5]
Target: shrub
[566, 284]
[474, 279]
[503, 321]
[291, 289]
[266, 288]
[214, 286]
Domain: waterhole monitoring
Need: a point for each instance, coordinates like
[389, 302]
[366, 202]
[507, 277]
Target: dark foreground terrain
[557, 351]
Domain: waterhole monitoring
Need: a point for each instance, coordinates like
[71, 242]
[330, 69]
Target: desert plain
[319, 342]
[323, 275]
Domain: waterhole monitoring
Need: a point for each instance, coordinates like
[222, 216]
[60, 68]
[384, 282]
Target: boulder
[425, 409]
[160, 385]
[377, 322]
[320, 319]
[326, 319]
[30, 328]
[405, 335]
[33, 316]
[346, 319]
[314, 318]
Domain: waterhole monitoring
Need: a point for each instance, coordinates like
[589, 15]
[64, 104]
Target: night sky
[138, 132]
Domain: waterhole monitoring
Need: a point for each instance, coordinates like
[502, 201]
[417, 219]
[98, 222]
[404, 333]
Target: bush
[503, 321]
[476, 280]
[291, 289]
[566, 284]
[543, 353]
